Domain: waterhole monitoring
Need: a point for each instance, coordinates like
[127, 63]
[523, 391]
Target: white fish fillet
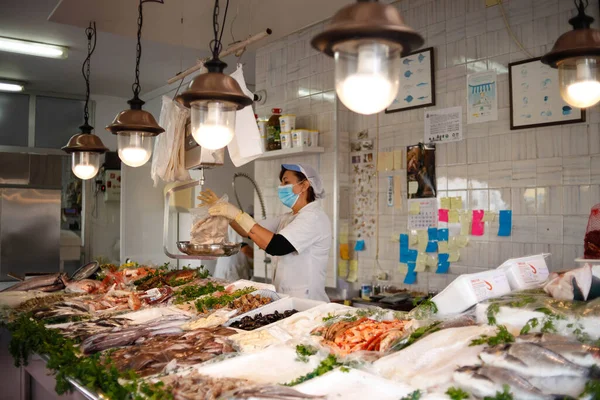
[431, 361]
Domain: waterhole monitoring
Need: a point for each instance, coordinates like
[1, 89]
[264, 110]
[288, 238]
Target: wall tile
[500, 174]
[574, 229]
[523, 201]
[595, 169]
[523, 145]
[524, 230]
[500, 148]
[549, 171]
[477, 150]
[575, 140]
[549, 142]
[550, 230]
[549, 200]
[576, 200]
[523, 173]
[576, 170]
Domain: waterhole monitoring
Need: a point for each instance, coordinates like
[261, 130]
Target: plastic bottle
[274, 130]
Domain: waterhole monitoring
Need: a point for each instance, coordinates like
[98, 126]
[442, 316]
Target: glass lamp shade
[367, 75]
[135, 148]
[85, 164]
[579, 81]
[213, 123]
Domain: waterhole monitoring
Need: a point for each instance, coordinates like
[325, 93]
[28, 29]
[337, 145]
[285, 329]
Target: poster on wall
[482, 97]
[417, 83]
[443, 125]
[420, 171]
[535, 97]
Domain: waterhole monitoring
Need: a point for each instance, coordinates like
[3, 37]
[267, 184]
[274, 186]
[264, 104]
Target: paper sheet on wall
[427, 215]
[397, 192]
[482, 97]
[442, 126]
[353, 275]
[398, 160]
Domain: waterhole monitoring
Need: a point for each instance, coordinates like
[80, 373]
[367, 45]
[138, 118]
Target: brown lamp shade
[135, 120]
[214, 86]
[85, 142]
[367, 20]
[575, 43]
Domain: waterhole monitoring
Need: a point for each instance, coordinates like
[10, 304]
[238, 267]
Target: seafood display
[151, 356]
[164, 277]
[249, 323]
[43, 283]
[249, 302]
[349, 336]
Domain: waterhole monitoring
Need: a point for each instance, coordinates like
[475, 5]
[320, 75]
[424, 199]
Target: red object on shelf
[591, 242]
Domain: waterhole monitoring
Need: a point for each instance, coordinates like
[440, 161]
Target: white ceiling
[168, 45]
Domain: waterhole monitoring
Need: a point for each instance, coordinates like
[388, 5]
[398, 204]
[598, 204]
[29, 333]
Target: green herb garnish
[457, 394]
[329, 317]
[503, 336]
[345, 369]
[416, 335]
[592, 388]
[304, 352]
[505, 395]
[207, 303]
[325, 366]
[416, 395]
[492, 311]
[193, 292]
[529, 325]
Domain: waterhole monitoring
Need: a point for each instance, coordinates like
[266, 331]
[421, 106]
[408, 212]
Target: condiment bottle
[274, 130]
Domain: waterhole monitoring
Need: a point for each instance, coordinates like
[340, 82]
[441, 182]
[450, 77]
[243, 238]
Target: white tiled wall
[548, 176]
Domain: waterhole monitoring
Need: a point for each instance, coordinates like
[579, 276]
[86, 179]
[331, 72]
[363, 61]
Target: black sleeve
[279, 246]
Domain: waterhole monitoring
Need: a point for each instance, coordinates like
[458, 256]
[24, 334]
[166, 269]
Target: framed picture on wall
[417, 82]
[535, 97]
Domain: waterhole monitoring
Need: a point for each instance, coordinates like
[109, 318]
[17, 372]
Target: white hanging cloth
[168, 163]
[246, 144]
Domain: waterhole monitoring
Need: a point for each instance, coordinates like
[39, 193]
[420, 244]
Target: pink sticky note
[477, 226]
[443, 215]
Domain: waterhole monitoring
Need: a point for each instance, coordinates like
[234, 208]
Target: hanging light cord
[90, 33]
[216, 44]
[136, 85]
[510, 31]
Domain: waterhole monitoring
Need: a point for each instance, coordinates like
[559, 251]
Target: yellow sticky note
[343, 268]
[403, 268]
[443, 247]
[389, 161]
[343, 238]
[431, 261]
[381, 161]
[413, 238]
[465, 225]
[422, 246]
[415, 208]
[344, 252]
[454, 256]
[456, 203]
[421, 263]
[353, 275]
[423, 239]
[453, 216]
[398, 160]
[395, 237]
[489, 216]
[445, 203]
[413, 187]
[462, 241]
[397, 193]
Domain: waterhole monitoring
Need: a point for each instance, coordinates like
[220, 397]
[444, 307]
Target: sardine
[530, 359]
[487, 381]
[42, 283]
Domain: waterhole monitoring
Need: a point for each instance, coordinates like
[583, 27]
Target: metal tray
[209, 250]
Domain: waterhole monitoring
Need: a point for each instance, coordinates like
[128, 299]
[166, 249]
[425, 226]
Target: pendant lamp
[85, 147]
[135, 128]
[366, 40]
[214, 97]
[576, 54]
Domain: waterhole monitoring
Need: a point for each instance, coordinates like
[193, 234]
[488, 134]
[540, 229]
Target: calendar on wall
[422, 213]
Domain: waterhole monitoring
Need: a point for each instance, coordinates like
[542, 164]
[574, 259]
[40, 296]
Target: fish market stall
[152, 333]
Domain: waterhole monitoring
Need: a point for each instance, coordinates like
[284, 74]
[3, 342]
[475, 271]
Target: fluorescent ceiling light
[32, 48]
[10, 87]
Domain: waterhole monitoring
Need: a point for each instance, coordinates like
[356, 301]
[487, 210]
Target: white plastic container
[313, 138]
[470, 289]
[290, 303]
[300, 137]
[262, 129]
[526, 272]
[286, 140]
[287, 122]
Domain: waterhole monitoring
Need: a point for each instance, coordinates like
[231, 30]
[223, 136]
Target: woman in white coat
[299, 240]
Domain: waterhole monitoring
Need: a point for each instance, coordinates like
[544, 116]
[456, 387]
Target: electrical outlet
[491, 3]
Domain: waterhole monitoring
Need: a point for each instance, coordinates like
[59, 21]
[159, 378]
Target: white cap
[312, 176]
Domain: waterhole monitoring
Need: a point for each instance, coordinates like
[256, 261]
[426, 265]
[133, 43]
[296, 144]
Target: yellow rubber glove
[208, 197]
[232, 213]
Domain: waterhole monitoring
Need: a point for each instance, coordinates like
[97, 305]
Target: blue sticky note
[360, 245]
[505, 223]
[403, 241]
[433, 233]
[442, 235]
[443, 264]
[411, 276]
[412, 256]
[404, 254]
[431, 246]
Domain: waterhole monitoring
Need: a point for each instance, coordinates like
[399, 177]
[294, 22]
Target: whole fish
[566, 385]
[487, 381]
[543, 337]
[44, 283]
[530, 359]
[578, 353]
[268, 392]
[83, 286]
